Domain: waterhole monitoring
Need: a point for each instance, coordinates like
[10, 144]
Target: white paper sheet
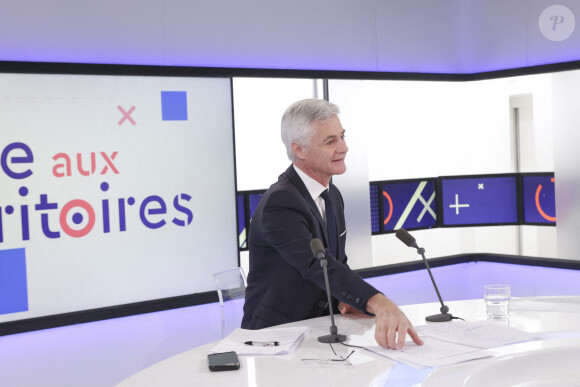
[482, 334]
[289, 339]
[433, 353]
[448, 343]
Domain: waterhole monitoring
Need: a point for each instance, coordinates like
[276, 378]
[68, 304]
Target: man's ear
[298, 150]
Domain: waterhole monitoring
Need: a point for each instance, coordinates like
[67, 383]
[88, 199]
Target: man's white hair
[297, 121]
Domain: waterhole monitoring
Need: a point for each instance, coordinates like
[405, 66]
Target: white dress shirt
[314, 189]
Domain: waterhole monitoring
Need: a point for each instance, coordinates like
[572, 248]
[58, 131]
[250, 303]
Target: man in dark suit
[285, 281]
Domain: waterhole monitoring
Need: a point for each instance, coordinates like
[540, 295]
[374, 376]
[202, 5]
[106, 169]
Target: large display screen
[479, 200]
[115, 190]
[539, 198]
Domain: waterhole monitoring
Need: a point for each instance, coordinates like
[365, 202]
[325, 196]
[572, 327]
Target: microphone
[317, 248]
[410, 241]
[319, 252]
[406, 238]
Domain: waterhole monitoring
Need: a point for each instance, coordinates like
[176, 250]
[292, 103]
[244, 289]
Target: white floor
[106, 352]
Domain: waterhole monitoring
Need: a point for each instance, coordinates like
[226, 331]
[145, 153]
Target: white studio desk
[553, 359]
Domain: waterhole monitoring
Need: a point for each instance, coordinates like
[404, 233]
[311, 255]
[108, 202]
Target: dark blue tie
[332, 231]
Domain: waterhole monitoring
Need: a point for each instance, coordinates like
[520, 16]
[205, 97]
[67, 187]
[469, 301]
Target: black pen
[263, 343]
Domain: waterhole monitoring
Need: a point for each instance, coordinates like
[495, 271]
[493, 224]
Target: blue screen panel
[375, 216]
[539, 197]
[479, 200]
[242, 234]
[254, 200]
[408, 205]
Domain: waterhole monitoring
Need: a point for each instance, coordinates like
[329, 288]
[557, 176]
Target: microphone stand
[334, 336]
[443, 316]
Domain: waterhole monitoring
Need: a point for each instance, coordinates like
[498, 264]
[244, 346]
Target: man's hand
[392, 325]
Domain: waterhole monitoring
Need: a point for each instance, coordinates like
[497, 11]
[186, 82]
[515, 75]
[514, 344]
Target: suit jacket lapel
[299, 184]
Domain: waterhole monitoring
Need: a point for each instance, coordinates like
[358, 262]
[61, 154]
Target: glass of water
[497, 298]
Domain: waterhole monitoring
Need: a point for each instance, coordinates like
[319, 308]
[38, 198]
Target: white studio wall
[259, 105]
[260, 154]
[426, 129]
[566, 105]
[412, 129]
[535, 139]
[352, 182]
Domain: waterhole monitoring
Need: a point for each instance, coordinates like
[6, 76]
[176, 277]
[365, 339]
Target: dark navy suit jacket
[285, 281]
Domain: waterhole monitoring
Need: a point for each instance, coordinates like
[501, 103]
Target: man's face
[327, 151]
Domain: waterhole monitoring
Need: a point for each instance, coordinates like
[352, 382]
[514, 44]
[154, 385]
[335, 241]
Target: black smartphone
[225, 361]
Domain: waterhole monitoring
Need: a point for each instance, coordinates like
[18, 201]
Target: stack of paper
[450, 343]
[482, 334]
[287, 338]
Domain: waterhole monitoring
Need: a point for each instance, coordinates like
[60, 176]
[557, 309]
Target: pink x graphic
[127, 115]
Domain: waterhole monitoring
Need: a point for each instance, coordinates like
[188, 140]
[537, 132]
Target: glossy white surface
[531, 368]
[104, 353]
[549, 362]
[556, 319]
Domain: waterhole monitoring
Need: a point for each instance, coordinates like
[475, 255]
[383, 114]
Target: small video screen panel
[254, 200]
[247, 204]
[479, 200]
[242, 235]
[375, 208]
[408, 204]
[539, 198]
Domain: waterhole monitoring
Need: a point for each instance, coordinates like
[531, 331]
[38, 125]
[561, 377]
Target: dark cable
[336, 354]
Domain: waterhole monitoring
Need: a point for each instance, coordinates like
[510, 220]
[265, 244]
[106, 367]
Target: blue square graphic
[174, 106]
[13, 285]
